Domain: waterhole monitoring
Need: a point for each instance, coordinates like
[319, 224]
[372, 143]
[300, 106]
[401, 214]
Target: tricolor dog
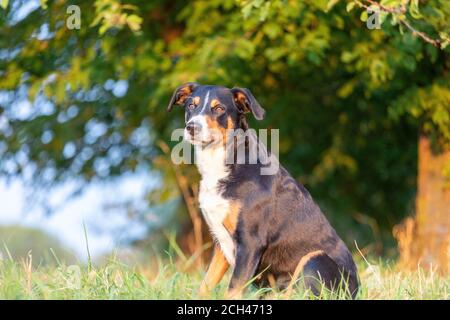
[264, 225]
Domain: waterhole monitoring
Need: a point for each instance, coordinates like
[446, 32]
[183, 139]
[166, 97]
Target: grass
[164, 279]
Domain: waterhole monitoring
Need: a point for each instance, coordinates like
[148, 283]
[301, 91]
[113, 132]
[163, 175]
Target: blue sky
[106, 229]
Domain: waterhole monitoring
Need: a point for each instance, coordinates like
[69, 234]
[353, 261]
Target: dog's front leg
[217, 268]
[247, 260]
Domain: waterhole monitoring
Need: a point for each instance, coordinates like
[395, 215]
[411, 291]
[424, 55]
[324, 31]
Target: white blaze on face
[205, 103]
[205, 134]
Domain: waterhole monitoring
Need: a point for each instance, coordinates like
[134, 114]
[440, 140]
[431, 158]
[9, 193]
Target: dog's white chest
[214, 206]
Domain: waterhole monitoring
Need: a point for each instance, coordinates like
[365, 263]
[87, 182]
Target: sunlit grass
[164, 279]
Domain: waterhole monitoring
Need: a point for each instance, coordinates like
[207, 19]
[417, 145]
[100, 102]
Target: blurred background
[360, 91]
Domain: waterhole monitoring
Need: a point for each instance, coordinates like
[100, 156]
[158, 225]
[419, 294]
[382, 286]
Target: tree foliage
[349, 101]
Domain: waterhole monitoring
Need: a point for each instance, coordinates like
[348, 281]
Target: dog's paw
[233, 294]
[204, 292]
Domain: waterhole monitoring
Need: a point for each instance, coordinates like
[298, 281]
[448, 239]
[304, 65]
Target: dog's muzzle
[198, 133]
[193, 132]
[193, 129]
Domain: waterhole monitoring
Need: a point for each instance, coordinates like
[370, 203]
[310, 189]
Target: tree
[430, 244]
[340, 93]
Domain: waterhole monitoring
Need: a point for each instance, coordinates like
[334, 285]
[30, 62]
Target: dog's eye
[192, 106]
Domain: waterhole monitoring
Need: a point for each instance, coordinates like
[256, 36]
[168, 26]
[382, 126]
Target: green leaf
[350, 6]
[4, 4]
[44, 4]
[246, 10]
[364, 16]
[103, 29]
[245, 49]
[134, 22]
[346, 89]
[272, 30]
[331, 4]
[33, 90]
[414, 9]
[276, 53]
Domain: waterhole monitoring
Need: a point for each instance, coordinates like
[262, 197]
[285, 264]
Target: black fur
[279, 222]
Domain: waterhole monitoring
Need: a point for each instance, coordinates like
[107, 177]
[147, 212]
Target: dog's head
[212, 110]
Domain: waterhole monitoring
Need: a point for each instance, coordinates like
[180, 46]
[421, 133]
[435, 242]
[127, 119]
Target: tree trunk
[424, 240]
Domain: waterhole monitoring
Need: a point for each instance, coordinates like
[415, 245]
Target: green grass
[166, 280]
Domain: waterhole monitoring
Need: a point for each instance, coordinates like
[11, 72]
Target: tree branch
[190, 202]
[401, 11]
[424, 36]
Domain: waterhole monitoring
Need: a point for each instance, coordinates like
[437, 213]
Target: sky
[106, 230]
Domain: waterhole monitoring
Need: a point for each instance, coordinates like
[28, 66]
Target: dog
[266, 227]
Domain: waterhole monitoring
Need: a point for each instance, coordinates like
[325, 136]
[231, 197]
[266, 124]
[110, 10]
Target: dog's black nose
[192, 128]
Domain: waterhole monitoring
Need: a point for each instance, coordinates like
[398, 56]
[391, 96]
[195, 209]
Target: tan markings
[230, 124]
[229, 132]
[240, 98]
[219, 264]
[230, 221]
[234, 294]
[301, 264]
[272, 281]
[217, 268]
[214, 125]
[214, 102]
[184, 94]
[196, 100]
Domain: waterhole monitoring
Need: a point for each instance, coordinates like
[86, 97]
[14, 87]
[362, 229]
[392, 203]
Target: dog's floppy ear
[246, 102]
[181, 93]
